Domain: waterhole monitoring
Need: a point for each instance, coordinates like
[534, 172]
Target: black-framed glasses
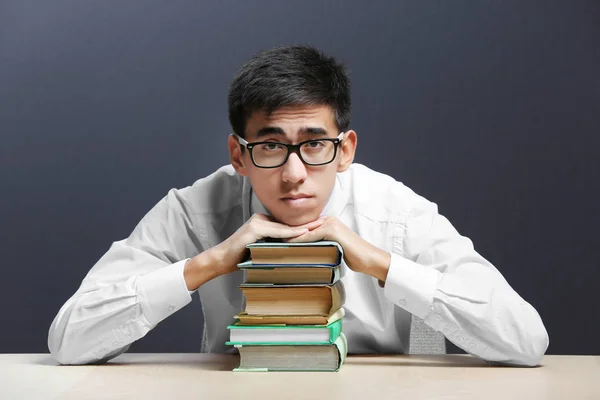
[274, 154]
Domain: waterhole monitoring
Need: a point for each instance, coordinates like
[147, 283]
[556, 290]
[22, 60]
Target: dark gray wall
[490, 109]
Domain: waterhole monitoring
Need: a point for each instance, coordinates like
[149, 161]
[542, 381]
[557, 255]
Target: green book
[284, 334]
[264, 358]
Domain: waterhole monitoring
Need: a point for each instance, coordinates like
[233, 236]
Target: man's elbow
[64, 352]
[531, 338]
[531, 349]
[60, 354]
[536, 348]
[65, 356]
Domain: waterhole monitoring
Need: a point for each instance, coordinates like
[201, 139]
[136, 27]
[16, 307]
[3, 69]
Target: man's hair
[289, 76]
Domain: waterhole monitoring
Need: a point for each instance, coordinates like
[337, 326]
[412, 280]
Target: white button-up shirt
[435, 274]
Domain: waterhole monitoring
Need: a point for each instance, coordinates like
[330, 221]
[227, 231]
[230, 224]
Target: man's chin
[296, 220]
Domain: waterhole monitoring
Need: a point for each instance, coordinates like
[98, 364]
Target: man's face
[294, 193]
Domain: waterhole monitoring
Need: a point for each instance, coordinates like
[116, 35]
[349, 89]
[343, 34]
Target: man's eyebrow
[305, 130]
[269, 130]
[312, 130]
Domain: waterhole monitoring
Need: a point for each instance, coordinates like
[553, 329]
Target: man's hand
[360, 255]
[223, 258]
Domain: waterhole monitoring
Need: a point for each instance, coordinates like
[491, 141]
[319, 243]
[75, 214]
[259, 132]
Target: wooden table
[206, 376]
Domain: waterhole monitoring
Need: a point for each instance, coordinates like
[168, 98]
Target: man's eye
[271, 146]
[316, 144]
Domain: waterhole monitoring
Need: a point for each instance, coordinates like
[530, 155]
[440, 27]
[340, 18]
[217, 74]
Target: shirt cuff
[163, 292]
[411, 285]
[191, 292]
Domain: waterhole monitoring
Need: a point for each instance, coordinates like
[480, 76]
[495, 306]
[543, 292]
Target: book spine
[338, 296]
[336, 275]
[342, 345]
[335, 329]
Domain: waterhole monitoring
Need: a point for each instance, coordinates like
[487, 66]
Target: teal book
[313, 357]
[284, 334]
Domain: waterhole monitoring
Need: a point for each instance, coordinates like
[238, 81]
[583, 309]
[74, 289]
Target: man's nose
[294, 169]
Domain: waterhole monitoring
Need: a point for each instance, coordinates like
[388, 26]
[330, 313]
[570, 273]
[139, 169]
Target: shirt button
[171, 308]
[402, 302]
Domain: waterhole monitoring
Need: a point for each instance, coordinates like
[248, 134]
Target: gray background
[489, 109]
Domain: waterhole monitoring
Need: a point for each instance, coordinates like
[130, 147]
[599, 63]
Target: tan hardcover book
[245, 319]
[292, 275]
[313, 253]
[293, 299]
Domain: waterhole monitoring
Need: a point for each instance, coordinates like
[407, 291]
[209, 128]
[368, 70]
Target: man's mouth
[297, 200]
[296, 196]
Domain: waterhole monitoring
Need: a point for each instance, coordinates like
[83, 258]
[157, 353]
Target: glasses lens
[269, 154]
[318, 151]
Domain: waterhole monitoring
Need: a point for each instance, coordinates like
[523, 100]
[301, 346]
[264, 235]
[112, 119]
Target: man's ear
[235, 156]
[347, 150]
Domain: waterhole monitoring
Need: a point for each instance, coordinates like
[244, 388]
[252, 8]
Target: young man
[292, 177]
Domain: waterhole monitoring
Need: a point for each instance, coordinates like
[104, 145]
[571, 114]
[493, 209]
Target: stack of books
[294, 308]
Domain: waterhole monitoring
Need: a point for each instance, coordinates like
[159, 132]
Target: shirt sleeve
[135, 285]
[441, 279]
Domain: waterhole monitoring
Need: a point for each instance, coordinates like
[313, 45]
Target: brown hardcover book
[245, 319]
[293, 275]
[316, 253]
[296, 300]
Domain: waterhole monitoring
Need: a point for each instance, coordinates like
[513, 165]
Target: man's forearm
[472, 305]
[118, 302]
[202, 268]
[379, 265]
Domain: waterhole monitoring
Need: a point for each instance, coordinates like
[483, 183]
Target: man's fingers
[309, 225]
[309, 236]
[283, 232]
[312, 225]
